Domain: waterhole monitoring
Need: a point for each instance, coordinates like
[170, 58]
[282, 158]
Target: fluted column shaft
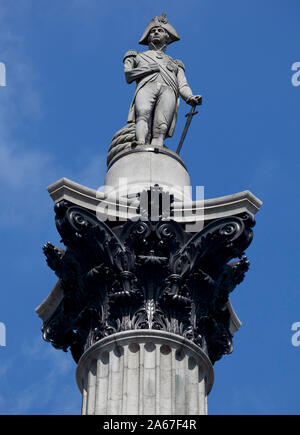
[144, 372]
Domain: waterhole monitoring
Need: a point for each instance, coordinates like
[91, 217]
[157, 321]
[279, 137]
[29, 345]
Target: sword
[189, 117]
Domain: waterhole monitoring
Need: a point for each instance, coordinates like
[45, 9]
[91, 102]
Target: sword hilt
[191, 112]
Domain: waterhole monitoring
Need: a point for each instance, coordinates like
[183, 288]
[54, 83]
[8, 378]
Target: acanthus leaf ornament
[146, 275]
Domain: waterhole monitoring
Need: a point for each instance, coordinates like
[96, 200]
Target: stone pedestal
[144, 372]
[145, 166]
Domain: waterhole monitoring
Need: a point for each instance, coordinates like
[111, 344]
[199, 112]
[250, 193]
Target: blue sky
[65, 98]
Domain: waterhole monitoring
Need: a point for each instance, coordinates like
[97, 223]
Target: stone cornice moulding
[214, 208]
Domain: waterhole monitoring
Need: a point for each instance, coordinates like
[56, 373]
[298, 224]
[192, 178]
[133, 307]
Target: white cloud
[20, 168]
[52, 390]
[92, 174]
[26, 169]
[20, 165]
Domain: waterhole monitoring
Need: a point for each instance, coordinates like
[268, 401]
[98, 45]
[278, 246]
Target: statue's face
[158, 35]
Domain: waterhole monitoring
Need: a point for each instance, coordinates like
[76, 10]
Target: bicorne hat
[161, 22]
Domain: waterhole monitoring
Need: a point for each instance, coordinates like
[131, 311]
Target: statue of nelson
[160, 80]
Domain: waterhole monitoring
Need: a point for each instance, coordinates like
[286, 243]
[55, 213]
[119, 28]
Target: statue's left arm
[184, 90]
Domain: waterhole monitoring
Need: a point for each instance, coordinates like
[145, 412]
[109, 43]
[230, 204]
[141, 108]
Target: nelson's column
[142, 297]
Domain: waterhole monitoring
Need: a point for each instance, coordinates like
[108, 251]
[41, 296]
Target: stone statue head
[152, 30]
[158, 37]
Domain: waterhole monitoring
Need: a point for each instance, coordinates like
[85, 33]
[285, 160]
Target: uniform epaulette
[130, 53]
[181, 64]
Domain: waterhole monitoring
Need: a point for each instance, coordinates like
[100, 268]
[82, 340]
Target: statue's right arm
[133, 71]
